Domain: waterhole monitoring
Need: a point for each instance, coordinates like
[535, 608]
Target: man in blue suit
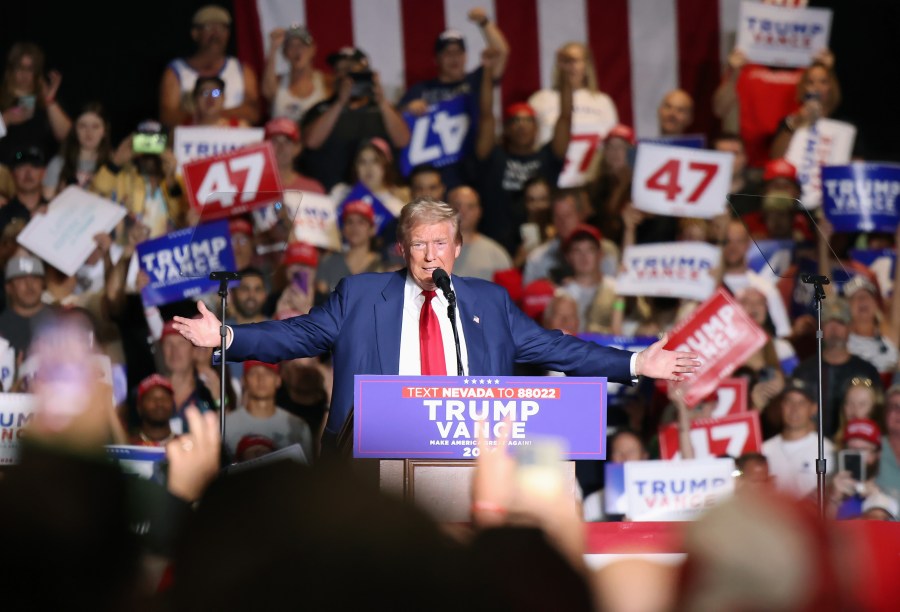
[379, 324]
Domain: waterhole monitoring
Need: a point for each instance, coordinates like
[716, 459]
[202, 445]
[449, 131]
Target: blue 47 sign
[437, 137]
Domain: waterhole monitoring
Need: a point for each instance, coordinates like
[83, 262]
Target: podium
[423, 429]
[442, 488]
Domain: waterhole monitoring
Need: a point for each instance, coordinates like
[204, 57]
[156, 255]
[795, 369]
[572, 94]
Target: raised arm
[171, 112]
[269, 83]
[249, 108]
[562, 131]
[494, 38]
[725, 96]
[394, 124]
[486, 121]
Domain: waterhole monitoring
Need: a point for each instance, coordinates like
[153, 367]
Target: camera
[363, 84]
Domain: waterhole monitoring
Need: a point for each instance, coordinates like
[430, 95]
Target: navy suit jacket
[360, 323]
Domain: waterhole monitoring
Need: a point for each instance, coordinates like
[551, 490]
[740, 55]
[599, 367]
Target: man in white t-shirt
[260, 418]
[792, 454]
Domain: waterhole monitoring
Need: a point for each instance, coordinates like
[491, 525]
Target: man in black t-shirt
[27, 168]
[452, 81]
[502, 170]
[24, 286]
[334, 128]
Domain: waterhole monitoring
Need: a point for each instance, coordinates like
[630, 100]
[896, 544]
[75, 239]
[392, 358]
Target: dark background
[115, 52]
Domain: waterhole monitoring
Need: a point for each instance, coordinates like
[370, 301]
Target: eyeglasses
[861, 382]
[211, 93]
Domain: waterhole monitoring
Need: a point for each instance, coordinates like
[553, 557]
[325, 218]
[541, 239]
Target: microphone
[442, 281]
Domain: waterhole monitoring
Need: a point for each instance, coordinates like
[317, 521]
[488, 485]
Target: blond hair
[426, 211]
[590, 73]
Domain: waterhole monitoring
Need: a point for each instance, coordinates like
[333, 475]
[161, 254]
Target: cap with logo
[580, 232]
[23, 265]
[300, 33]
[282, 126]
[347, 53]
[358, 207]
[624, 132]
[863, 429]
[859, 283]
[836, 310]
[779, 169]
[301, 253]
[32, 156]
[447, 38]
[800, 386]
[152, 381]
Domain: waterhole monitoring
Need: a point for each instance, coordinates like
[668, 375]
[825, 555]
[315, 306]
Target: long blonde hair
[590, 73]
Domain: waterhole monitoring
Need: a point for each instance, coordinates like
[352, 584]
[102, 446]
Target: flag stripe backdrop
[642, 48]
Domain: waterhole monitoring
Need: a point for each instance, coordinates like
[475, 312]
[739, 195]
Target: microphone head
[441, 279]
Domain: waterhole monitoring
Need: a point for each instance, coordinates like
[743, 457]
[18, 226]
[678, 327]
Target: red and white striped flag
[642, 48]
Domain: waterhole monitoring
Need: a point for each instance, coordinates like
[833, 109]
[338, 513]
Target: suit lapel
[388, 321]
[470, 315]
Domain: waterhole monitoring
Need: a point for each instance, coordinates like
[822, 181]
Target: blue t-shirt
[433, 91]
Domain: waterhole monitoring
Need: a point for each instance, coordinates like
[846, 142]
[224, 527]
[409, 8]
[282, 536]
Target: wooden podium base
[443, 489]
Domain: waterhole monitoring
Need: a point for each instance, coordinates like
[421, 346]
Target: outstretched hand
[657, 362]
[200, 332]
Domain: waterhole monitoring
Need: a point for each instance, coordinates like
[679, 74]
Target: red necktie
[431, 345]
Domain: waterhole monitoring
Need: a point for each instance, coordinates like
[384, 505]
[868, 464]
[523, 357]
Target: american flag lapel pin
[476, 319]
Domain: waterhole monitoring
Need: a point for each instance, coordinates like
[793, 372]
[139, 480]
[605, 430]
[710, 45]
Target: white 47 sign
[233, 183]
[681, 181]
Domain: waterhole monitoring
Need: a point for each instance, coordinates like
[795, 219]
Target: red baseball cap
[249, 365]
[863, 429]
[518, 108]
[358, 207]
[511, 280]
[282, 126]
[154, 380]
[169, 330]
[779, 169]
[301, 253]
[240, 226]
[624, 132]
[536, 296]
[582, 230]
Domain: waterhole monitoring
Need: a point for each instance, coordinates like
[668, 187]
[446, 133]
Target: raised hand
[200, 332]
[657, 362]
[194, 457]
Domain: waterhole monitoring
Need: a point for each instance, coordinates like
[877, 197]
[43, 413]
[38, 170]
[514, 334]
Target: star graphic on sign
[496, 381]
[481, 381]
[466, 381]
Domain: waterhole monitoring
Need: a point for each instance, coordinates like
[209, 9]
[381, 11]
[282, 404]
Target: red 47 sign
[233, 183]
[732, 435]
[680, 181]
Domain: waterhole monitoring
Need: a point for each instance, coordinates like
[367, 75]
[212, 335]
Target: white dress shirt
[410, 360]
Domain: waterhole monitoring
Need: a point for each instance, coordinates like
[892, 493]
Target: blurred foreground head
[285, 537]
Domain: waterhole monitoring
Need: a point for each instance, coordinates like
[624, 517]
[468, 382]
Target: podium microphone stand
[818, 282]
[223, 278]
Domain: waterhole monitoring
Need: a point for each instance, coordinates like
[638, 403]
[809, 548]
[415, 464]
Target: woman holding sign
[593, 114]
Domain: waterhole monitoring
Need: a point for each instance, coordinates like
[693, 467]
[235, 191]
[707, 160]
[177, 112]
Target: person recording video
[358, 111]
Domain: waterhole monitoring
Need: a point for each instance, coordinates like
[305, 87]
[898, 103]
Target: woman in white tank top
[302, 86]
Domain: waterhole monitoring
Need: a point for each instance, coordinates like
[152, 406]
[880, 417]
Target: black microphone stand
[442, 282]
[451, 314]
[223, 278]
[818, 282]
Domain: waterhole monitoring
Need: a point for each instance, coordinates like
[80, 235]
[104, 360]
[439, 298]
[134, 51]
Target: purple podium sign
[435, 417]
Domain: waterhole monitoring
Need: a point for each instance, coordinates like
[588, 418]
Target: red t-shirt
[765, 96]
